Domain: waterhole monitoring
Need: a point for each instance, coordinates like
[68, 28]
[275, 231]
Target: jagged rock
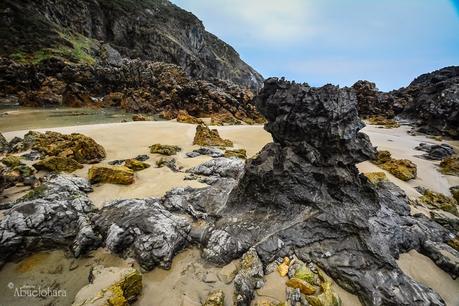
[207, 137]
[445, 218]
[4, 147]
[432, 99]
[435, 152]
[450, 165]
[382, 157]
[58, 164]
[303, 194]
[184, 117]
[165, 149]
[54, 215]
[170, 163]
[11, 161]
[111, 174]
[48, 94]
[238, 153]
[135, 164]
[19, 174]
[76, 95]
[371, 101]
[143, 229]
[110, 286]
[32, 155]
[248, 278]
[376, 177]
[142, 157]
[383, 121]
[221, 166]
[215, 298]
[139, 117]
[212, 152]
[224, 119]
[79, 147]
[436, 200]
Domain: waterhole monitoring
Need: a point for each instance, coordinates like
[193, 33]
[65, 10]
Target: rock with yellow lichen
[326, 298]
[184, 117]
[450, 165]
[110, 286]
[11, 161]
[135, 165]
[283, 267]
[58, 164]
[224, 119]
[403, 169]
[383, 121]
[376, 177]
[305, 287]
[454, 243]
[455, 192]
[238, 153]
[139, 117]
[111, 174]
[215, 298]
[436, 200]
[79, 147]
[207, 137]
[304, 273]
[164, 149]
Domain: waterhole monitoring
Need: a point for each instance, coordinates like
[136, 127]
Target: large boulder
[111, 174]
[54, 215]
[58, 164]
[207, 137]
[303, 194]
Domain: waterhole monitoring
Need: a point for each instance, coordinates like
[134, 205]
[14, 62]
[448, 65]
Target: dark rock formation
[433, 100]
[303, 194]
[435, 152]
[149, 30]
[371, 101]
[54, 215]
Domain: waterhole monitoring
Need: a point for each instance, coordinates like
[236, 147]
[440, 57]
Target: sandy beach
[127, 140]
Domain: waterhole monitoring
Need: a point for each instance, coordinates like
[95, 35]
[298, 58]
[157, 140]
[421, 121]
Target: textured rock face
[111, 174]
[433, 100]
[371, 101]
[303, 194]
[54, 215]
[149, 30]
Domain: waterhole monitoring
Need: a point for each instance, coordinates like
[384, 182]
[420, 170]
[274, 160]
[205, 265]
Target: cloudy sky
[337, 41]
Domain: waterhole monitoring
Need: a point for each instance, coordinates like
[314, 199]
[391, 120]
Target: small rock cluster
[403, 169]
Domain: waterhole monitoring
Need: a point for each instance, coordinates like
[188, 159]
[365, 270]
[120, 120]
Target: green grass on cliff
[76, 48]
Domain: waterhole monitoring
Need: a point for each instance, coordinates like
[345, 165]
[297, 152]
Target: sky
[388, 42]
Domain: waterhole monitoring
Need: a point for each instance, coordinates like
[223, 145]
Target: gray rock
[143, 229]
[212, 152]
[55, 215]
[248, 278]
[448, 220]
[435, 152]
[222, 167]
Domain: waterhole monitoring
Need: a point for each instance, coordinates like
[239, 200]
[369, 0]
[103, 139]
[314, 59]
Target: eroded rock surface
[303, 194]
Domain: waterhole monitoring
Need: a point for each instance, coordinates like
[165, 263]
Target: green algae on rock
[164, 149]
[438, 200]
[58, 164]
[238, 153]
[11, 161]
[207, 137]
[111, 174]
[403, 169]
[450, 165]
[110, 286]
[136, 165]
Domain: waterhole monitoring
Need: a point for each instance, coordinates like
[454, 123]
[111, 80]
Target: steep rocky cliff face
[157, 30]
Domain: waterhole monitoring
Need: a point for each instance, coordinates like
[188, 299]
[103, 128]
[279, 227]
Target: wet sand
[424, 271]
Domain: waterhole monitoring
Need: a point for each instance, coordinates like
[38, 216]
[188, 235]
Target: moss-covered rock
[207, 137]
[454, 243]
[304, 273]
[224, 119]
[79, 147]
[58, 164]
[238, 153]
[326, 298]
[381, 157]
[184, 117]
[110, 286]
[3, 144]
[305, 287]
[436, 200]
[215, 298]
[164, 149]
[111, 174]
[383, 121]
[450, 165]
[403, 169]
[455, 192]
[11, 161]
[135, 164]
[139, 117]
[376, 177]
